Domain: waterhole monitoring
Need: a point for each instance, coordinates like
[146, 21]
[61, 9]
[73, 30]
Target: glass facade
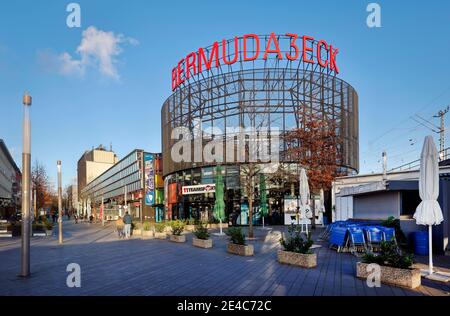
[201, 206]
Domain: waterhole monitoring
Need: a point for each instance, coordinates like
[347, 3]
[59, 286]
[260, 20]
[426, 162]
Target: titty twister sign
[250, 47]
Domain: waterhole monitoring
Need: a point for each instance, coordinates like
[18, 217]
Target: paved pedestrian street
[159, 267]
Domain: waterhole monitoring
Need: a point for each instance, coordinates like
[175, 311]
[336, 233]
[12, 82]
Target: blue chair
[338, 238]
[374, 237]
[357, 241]
[389, 234]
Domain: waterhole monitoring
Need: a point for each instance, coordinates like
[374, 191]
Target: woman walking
[119, 227]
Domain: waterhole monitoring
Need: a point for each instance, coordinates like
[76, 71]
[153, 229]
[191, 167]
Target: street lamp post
[35, 204]
[103, 212]
[26, 187]
[60, 236]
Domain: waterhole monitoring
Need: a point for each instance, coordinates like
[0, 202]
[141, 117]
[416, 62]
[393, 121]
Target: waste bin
[420, 243]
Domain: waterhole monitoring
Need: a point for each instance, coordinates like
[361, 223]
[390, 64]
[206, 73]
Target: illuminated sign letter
[224, 51]
[190, 63]
[201, 56]
[307, 49]
[319, 53]
[332, 61]
[277, 47]
[180, 71]
[174, 78]
[294, 46]
[256, 38]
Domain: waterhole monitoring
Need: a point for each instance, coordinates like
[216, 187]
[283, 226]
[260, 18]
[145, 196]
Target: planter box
[160, 235]
[240, 250]
[189, 228]
[175, 238]
[217, 226]
[136, 232]
[202, 243]
[147, 234]
[407, 278]
[297, 259]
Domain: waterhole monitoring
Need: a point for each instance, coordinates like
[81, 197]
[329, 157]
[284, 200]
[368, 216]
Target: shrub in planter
[201, 237]
[160, 230]
[390, 255]
[395, 223]
[296, 249]
[136, 228]
[396, 267]
[237, 243]
[147, 230]
[201, 232]
[177, 227]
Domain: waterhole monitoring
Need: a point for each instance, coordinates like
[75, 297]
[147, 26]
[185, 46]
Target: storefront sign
[198, 189]
[149, 179]
[172, 193]
[250, 47]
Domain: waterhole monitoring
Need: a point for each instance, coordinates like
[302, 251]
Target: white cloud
[98, 50]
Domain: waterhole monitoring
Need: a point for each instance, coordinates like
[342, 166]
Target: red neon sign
[304, 48]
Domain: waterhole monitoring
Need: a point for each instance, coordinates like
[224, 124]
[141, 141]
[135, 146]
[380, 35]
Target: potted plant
[135, 229]
[297, 250]
[48, 227]
[237, 243]
[396, 267]
[201, 238]
[177, 227]
[38, 229]
[191, 225]
[147, 231]
[159, 232]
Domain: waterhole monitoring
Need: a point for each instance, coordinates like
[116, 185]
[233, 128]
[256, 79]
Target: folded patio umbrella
[219, 205]
[429, 211]
[305, 211]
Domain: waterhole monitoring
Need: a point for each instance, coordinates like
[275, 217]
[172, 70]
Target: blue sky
[399, 70]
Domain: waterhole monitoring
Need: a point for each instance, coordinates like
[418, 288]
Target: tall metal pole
[384, 158]
[35, 204]
[26, 187]
[102, 213]
[441, 115]
[60, 236]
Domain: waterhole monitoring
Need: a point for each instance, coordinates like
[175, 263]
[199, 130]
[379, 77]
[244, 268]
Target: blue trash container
[421, 243]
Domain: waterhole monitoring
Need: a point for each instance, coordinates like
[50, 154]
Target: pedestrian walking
[120, 227]
[127, 220]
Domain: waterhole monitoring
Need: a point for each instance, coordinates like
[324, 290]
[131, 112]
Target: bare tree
[315, 147]
[40, 182]
[249, 174]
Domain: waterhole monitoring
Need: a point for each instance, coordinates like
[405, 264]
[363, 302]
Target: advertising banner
[149, 179]
[198, 189]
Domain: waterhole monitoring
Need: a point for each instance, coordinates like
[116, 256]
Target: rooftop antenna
[110, 146]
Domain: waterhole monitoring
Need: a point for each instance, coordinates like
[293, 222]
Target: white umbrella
[88, 205]
[305, 211]
[321, 209]
[429, 211]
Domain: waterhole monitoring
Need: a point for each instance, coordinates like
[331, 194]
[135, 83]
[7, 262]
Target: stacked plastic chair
[374, 237]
